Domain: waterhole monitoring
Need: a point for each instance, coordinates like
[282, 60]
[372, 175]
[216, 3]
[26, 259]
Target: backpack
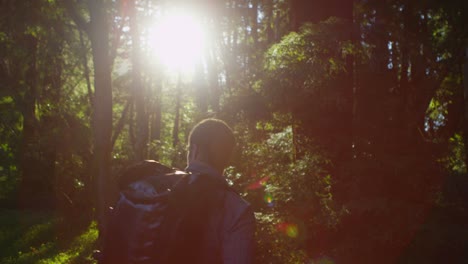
[162, 216]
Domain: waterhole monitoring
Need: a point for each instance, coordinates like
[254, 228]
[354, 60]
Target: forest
[350, 116]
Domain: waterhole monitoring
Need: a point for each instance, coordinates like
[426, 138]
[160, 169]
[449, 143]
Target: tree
[97, 30]
[350, 116]
[139, 93]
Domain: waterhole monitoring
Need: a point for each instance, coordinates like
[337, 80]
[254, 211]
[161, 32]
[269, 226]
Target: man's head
[211, 141]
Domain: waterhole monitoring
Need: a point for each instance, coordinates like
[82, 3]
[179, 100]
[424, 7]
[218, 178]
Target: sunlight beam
[177, 41]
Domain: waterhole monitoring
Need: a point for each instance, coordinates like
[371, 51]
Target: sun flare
[177, 41]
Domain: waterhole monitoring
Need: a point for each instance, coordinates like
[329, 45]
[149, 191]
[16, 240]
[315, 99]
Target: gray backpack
[162, 216]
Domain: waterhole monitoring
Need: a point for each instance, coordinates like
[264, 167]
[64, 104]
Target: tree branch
[120, 124]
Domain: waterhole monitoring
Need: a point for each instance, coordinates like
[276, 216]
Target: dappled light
[81, 245]
[39, 237]
[349, 119]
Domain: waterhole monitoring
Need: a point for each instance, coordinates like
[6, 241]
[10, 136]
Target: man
[231, 229]
[171, 217]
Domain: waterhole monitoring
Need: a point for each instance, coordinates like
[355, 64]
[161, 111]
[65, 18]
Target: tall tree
[139, 94]
[97, 29]
[465, 103]
[102, 112]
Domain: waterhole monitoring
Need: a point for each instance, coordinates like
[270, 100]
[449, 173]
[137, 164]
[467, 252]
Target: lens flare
[282, 227]
[268, 198]
[292, 231]
[258, 184]
[289, 229]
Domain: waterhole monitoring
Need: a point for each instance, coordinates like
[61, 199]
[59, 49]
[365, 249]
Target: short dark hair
[215, 140]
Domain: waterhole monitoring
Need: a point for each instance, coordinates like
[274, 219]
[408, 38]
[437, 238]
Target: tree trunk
[30, 177]
[156, 120]
[254, 21]
[201, 89]
[349, 85]
[268, 7]
[175, 131]
[465, 119]
[213, 79]
[141, 150]
[102, 111]
[86, 69]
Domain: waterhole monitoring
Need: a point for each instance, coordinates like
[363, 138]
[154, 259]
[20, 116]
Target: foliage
[291, 195]
[455, 159]
[351, 132]
[32, 237]
[305, 63]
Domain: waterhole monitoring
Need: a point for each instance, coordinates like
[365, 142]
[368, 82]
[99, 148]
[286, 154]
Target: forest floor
[42, 237]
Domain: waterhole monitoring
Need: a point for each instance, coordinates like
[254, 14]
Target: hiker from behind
[165, 216]
[230, 229]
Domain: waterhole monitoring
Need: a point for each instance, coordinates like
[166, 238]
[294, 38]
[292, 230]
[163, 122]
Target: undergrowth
[43, 238]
